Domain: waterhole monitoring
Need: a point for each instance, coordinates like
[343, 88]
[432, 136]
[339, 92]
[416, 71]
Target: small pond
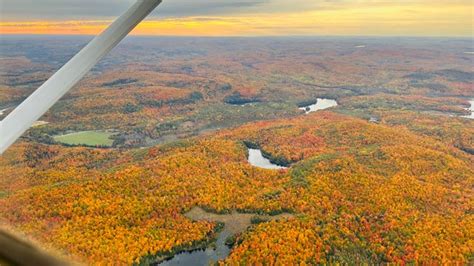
[471, 116]
[2, 112]
[256, 159]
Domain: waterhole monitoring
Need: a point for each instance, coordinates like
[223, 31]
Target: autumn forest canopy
[110, 174]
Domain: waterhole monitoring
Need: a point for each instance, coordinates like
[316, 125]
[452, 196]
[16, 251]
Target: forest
[384, 177]
[381, 195]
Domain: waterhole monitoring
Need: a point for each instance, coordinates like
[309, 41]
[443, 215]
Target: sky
[247, 17]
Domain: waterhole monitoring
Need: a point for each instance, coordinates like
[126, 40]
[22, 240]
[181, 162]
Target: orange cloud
[47, 27]
[411, 19]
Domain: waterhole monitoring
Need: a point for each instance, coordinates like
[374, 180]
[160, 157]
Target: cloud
[104, 9]
[246, 17]
[93, 9]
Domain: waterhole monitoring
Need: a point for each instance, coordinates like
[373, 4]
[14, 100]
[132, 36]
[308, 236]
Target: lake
[471, 116]
[256, 159]
[320, 104]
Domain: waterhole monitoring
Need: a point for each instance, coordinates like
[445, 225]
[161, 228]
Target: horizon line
[252, 36]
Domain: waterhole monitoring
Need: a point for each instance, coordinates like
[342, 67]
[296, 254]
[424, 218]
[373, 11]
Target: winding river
[234, 223]
[320, 104]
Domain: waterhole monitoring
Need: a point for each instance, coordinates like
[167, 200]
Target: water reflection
[320, 104]
[256, 159]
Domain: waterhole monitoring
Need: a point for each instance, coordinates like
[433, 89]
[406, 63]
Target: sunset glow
[409, 19]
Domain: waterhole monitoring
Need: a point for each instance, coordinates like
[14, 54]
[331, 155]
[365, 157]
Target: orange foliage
[360, 192]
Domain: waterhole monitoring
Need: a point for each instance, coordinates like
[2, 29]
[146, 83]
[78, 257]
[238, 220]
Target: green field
[87, 138]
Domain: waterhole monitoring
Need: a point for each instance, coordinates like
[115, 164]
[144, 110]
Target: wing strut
[30, 110]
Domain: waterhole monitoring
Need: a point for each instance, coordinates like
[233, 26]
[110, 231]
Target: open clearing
[234, 222]
[88, 138]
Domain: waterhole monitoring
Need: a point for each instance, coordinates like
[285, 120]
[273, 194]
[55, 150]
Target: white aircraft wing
[30, 110]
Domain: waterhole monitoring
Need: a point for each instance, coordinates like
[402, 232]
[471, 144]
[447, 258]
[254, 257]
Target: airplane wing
[30, 110]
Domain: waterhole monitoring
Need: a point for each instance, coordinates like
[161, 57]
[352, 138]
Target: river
[202, 257]
[234, 223]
